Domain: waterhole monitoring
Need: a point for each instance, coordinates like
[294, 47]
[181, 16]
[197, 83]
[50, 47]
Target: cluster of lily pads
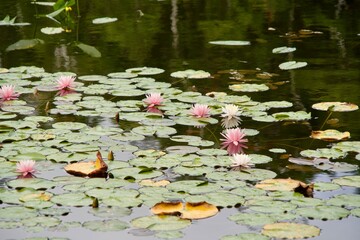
[192, 169]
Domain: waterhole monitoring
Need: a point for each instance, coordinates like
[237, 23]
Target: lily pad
[110, 225]
[72, 199]
[230, 43]
[348, 200]
[335, 106]
[330, 135]
[160, 223]
[246, 87]
[52, 30]
[323, 212]
[145, 70]
[191, 74]
[290, 230]
[351, 181]
[292, 65]
[283, 50]
[104, 20]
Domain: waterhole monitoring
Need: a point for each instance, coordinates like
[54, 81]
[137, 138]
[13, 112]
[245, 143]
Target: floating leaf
[246, 87]
[335, 106]
[69, 125]
[24, 44]
[96, 168]
[110, 225]
[191, 74]
[35, 183]
[252, 219]
[52, 30]
[351, 181]
[16, 213]
[330, 135]
[160, 223]
[348, 200]
[90, 50]
[230, 43]
[145, 70]
[329, 153]
[283, 50]
[292, 65]
[245, 236]
[72, 199]
[323, 212]
[198, 210]
[290, 230]
[104, 20]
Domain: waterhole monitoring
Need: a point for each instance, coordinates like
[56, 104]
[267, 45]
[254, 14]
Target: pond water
[175, 35]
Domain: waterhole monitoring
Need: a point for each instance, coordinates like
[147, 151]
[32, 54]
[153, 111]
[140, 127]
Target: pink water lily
[7, 93]
[234, 140]
[65, 82]
[153, 99]
[26, 167]
[200, 111]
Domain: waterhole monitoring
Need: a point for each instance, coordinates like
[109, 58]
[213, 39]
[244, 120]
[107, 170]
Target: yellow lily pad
[330, 135]
[286, 185]
[290, 230]
[152, 183]
[96, 168]
[335, 106]
[197, 210]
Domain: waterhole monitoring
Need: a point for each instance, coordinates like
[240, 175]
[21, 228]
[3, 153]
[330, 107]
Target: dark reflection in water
[175, 35]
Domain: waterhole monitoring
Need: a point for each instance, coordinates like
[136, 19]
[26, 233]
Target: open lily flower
[240, 161]
[153, 99]
[26, 167]
[200, 111]
[234, 140]
[65, 82]
[7, 93]
[231, 111]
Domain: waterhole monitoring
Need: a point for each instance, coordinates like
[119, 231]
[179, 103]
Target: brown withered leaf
[330, 135]
[90, 169]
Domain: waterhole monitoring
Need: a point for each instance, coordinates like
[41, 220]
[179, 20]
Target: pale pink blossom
[154, 110]
[153, 99]
[200, 111]
[26, 167]
[65, 82]
[7, 92]
[234, 140]
[241, 161]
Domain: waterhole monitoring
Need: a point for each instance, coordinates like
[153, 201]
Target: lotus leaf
[246, 87]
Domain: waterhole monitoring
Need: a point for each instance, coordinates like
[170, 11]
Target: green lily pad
[145, 70]
[292, 116]
[245, 236]
[69, 125]
[52, 30]
[160, 223]
[7, 115]
[356, 212]
[292, 65]
[72, 199]
[24, 44]
[35, 183]
[252, 219]
[290, 230]
[325, 186]
[113, 212]
[41, 221]
[348, 146]
[283, 50]
[351, 181]
[169, 235]
[259, 159]
[110, 225]
[230, 43]
[104, 20]
[16, 213]
[190, 74]
[329, 153]
[348, 200]
[246, 87]
[323, 212]
[275, 207]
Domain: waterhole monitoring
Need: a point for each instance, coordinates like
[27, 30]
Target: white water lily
[241, 161]
[231, 111]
